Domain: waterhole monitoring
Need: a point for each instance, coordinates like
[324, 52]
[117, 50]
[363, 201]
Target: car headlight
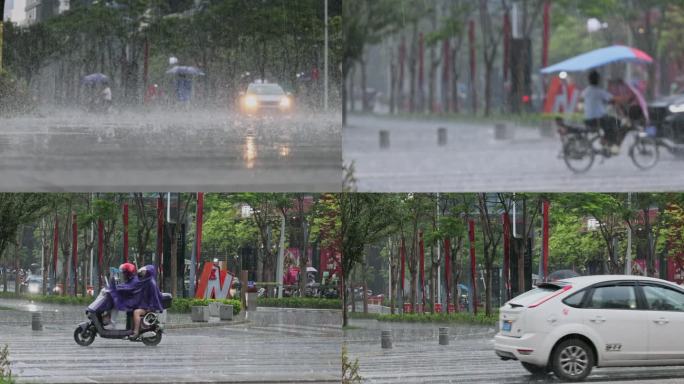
[285, 102]
[676, 108]
[251, 102]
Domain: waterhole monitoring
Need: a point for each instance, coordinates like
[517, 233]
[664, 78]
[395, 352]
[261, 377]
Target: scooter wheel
[84, 337]
[152, 341]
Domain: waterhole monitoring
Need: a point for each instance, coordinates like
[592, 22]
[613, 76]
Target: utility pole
[2, 19]
[325, 60]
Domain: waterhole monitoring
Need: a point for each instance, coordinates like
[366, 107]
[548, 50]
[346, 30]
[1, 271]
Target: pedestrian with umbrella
[101, 100]
[184, 76]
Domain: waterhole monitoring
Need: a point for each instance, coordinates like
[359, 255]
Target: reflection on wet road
[181, 151]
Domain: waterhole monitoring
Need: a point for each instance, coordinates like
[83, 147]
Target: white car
[261, 98]
[570, 326]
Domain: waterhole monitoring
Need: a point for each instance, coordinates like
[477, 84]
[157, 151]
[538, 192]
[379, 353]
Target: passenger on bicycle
[595, 115]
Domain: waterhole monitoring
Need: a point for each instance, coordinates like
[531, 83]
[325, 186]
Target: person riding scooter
[137, 295]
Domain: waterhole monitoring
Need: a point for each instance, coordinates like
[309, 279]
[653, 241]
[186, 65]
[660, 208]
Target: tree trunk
[488, 289]
[364, 100]
[174, 260]
[345, 315]
[488, 86]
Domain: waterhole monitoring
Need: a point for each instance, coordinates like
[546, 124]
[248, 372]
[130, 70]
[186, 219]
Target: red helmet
[128, 269]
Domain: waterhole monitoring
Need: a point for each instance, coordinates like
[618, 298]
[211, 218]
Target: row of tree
[452, 40]
[585, 229]
[231, 222]
[132, 40]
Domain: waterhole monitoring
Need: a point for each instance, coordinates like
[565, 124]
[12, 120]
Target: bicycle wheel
[644, 152]
[578, 154]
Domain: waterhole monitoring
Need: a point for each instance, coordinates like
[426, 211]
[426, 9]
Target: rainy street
[417, 357]
[472, 159]
[274, 345]
[181, 150]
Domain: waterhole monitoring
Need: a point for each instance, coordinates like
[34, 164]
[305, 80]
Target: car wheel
[572, 360]
[535, 370]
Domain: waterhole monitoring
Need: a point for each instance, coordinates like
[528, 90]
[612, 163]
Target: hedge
[299, 302]
[184, 305]
[51, 299]
[178, 305]
[361, 315]
[461, 317]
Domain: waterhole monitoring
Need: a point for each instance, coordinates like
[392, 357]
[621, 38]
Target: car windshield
[265, 89]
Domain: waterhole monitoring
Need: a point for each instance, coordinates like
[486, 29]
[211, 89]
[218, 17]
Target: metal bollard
[36, 322]
[386, 339]
[384, 139]
[443, 336]
[441, 136]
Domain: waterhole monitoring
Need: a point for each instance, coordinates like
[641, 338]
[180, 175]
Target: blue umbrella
[599, 57]
[463, 287]
[95, 78]
[185, 70]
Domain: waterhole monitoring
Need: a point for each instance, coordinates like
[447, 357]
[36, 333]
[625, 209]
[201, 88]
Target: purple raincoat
[138, 293]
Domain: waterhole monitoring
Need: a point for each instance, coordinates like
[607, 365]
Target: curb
[204, 325]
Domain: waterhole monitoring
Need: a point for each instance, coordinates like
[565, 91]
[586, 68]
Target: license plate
[506, 326]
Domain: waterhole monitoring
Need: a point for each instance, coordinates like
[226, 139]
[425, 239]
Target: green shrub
[350, 369]
[184, 305]
[361, 315]
[50, 299]
[461, 317]
[5, 370]
[299, 302]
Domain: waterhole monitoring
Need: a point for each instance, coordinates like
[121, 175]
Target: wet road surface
[472, 160]
[171, 150]
[417, 357]
[287, 346]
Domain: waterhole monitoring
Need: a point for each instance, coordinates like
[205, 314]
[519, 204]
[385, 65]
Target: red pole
[446, 81]
[471, 45]
[74, 251]
[100, 250]
[198, 235]
[422, 269]
[506, 44]
[507, 255]
[545, 244]
[473, 269]
[55, 246]
[546, 33]
[160, 240]
[125, 234]
[403, 266]
[447, 270]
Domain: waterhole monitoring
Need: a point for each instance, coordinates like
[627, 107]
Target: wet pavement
[275, 345]
[472, 160]
[417, 357]
[182, 151]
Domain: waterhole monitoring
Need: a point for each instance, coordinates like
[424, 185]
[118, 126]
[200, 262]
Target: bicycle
[581, 145]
